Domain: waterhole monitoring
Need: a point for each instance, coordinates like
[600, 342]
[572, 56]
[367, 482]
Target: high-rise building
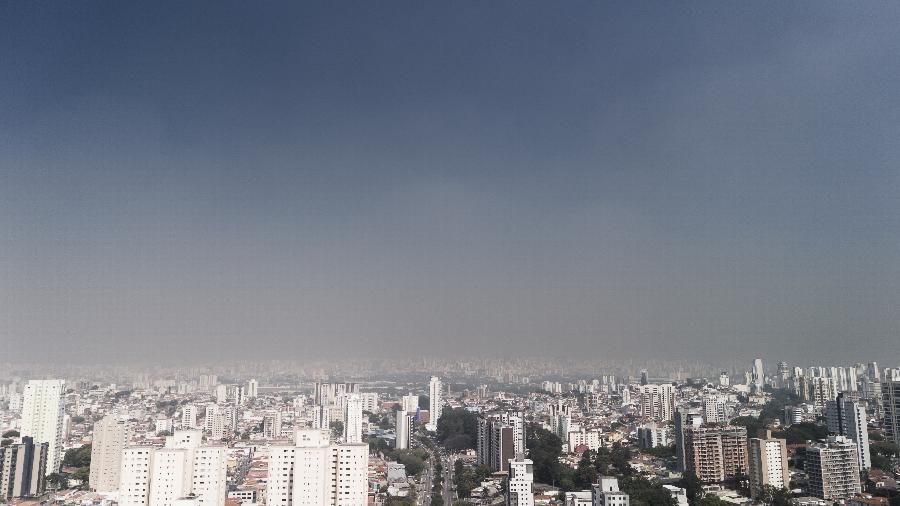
[759, 374]
[724, 379]
[496, 443]
[847, 417]
[134, 476]
[833, 469]
[714, 409]
[111, 436]
[272, 423]
[435, 392]
[409, 403]
[315, 472]
[353, 414]
[252, 389]
[684, 420]
[404, 429]
[520, 486]
[651, 435]
[716, 453]
[658, 401]
[221, 394]
[23, 466]
[152, 476]
[189, 416]
[42, 417]
[890, 405]
[768, 464]
[214, 421]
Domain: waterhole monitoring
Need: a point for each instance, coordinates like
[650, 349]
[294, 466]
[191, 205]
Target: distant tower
[643, 377]
[759, 374]
[252, 388]
[434, 408]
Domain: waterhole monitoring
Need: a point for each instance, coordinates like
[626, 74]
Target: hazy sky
[298, 179]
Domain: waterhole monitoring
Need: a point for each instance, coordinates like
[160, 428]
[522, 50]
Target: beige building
[768, 464]
[111, 436]
[716, 453]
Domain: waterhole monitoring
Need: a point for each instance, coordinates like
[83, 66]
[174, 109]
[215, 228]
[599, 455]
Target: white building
[111, 436]
[767, 464]
[160, 476]
[759, 374]
[409, 403]
[252, 389]
[42, 417]
[214, 422]
[435, 392]
[403, 429]
[189, 416]
[521, 482]
[606, 493]
[714, 409]
[316, 472]
[353, 419]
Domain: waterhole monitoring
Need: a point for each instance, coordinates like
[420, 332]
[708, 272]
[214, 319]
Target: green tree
[643, 492]
[586, 474]
[457, 429]
[10, 434]
[337, 428]
[78, 457]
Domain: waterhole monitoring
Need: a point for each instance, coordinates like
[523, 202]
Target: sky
[228, 180]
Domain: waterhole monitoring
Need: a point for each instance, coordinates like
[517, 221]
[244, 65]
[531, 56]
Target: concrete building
[521, 482]
[410, 403]
[152, 476]
[714, 409]
[657, 401]
[684, 420]
[111, 436]
[189, 417]
[404, 429]
[847, 417]
[651, 435]
[833, 469]
[496, 443]
[315, 472]
[768, 464]
[353, 419]
[436, 404]
[890, 405]
[716, 453]
[252, 389]
[23, 466]
[42, 417]
[606, 493]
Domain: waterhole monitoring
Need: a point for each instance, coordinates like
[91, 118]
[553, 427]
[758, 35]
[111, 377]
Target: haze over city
[643, 180]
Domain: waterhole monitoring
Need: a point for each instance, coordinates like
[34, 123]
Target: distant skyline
[211, 181]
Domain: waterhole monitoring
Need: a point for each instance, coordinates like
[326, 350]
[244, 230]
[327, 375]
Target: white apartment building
[42, 417]
[134, 476]
[435, 392]
[189, 416]
[521, 482]
[316, 472]
[606, 493]
[768, 464]
[404, 429]
[111, 436]
[252, 389]
[409, 403]
[152, 476]
[353, 419]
